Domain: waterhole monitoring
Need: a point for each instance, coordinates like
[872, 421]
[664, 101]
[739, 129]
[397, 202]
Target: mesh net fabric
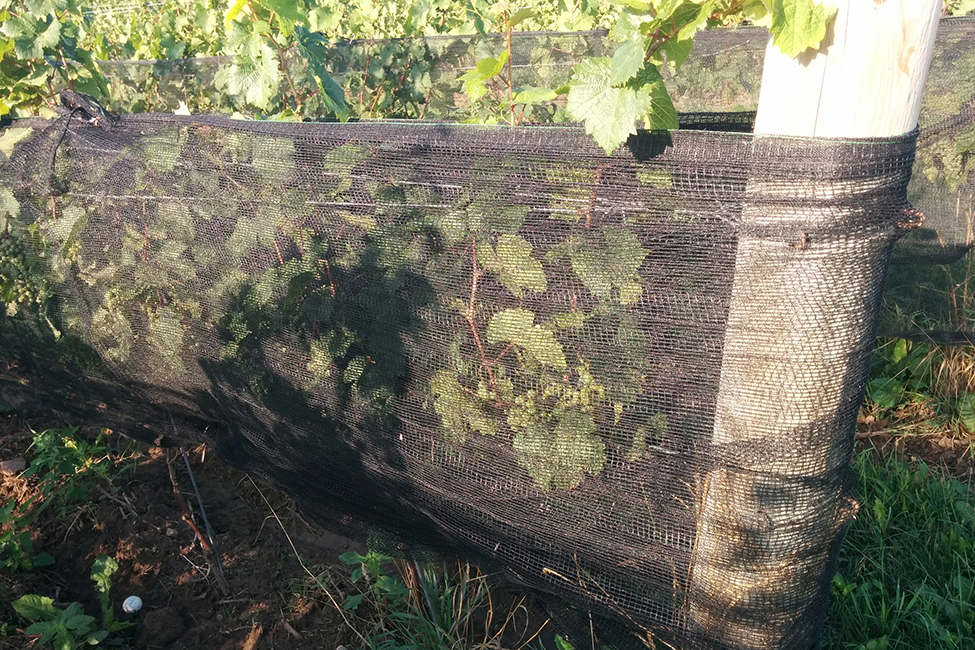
[723, 73]
[629, 382]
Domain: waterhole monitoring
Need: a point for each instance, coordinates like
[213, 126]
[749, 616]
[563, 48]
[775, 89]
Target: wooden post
[787, 365]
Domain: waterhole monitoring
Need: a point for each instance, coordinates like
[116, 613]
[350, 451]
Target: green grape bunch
[22, 282]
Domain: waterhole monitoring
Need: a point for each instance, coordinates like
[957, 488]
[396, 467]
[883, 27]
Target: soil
[270, 601]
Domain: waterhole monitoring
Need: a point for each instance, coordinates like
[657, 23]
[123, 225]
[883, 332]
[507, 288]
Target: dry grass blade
[305, 568]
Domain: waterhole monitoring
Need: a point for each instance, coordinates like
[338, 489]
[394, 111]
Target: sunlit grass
[907, 569]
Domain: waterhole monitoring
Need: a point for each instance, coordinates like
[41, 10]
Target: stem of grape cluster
[475, 275]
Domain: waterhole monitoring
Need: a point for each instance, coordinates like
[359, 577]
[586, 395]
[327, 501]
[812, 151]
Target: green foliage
[562, 644]
[474, 80]
[387, 590]
[533, 378]
[798, 25]
[901, 370]
[959, 7]
[334, 291]
[517, 326]
[611, 96]
[907, 565]
[42, 45]
[16, 546]
[437, 611]
[62, 629]
[67, 469]
[511, 260]
[23, 275]
[284, 60]
[71, 628]
[936, 382]
[102, 570]
[611, 112]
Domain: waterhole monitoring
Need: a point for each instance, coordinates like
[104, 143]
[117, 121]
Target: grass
[402, 604]
[907, 568]
[906, 577]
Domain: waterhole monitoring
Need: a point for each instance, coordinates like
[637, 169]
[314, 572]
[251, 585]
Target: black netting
[628, 381]
[723, 73]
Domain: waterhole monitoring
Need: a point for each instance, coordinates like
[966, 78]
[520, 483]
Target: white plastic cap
[132, 604]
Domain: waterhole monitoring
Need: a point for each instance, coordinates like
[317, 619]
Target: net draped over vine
[722, 73]
[496, 342]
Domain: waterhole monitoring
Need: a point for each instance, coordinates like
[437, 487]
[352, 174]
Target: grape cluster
[19, 283]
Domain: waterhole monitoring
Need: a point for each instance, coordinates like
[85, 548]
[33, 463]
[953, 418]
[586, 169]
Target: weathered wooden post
[787, 361]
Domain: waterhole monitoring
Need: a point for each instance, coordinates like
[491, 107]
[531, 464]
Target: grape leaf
[167, 333]
[666, 10]
[560, 458]
[663, 115]
[255, 77]
[474, 80]
[677, 50]
[636, 5]
[274, 159]
[625, 28]
[511, 259]
[520, 16]
[609, 113]
[9, 138]
[162, 150]
[45, 7]
[31, 36]
[287, 9]
[534, 95]
[627, 61]
[234, 11]
[458, 410]
[610, 261]
[312, 47]
[798, 25]
[250, 232]
[758, 12]
[518, 326]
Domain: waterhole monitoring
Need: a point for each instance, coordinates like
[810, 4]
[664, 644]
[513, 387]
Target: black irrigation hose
[64, 133]
[199, 501]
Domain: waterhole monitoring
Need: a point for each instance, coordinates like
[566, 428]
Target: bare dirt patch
[271, 602]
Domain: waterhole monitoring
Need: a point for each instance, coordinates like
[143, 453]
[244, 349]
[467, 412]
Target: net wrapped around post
[496, 342]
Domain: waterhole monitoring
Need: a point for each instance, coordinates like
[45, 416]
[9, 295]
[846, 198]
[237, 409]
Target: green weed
[68, 470]
[433, 606]
[924, 382]
[70, 627]
[907, 566]
[63, 629]
[16, 546]
[101, 574]
[934, 374]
